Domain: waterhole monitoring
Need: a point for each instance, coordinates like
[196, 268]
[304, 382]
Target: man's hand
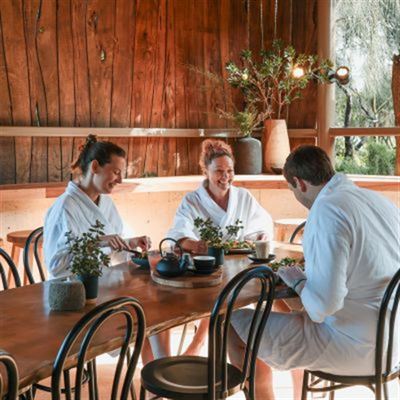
[293, 276]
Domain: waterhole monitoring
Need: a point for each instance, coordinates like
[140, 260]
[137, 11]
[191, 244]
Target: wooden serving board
[189, 280]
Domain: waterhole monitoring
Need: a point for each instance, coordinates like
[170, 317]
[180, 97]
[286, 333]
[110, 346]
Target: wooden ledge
[185, 184]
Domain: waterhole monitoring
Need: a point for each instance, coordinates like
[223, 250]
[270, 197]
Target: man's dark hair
[309, 163]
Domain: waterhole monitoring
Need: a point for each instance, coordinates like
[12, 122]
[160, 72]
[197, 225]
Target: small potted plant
[87, 258]
[213, 235]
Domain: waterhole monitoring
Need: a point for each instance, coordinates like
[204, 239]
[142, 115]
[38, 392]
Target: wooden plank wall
[123, 63]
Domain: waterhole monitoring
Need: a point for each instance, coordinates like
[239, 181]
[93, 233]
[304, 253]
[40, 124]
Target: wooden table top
[32, 333]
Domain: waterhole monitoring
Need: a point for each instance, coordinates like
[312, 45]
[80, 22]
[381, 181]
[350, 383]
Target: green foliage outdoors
[87, 257]
[374, 158]
[367, 34]
[214, 236]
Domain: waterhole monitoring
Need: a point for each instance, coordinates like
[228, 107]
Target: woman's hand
[114, 241]
[144, 242]
[194, 246]
[262, 236]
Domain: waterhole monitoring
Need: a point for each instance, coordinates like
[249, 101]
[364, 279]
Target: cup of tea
[262, 248]
[154, 257]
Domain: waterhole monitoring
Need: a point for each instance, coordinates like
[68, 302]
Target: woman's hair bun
[91, 139]
[211, 149]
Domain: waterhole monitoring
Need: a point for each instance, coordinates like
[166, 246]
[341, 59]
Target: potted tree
[214, 236]
[269, 86]
[87, 258]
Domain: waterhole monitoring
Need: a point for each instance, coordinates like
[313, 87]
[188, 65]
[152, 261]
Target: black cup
[204, 264]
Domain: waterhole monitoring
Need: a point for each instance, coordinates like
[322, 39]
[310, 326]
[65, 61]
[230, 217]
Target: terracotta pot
[248, 156]
[276, 145]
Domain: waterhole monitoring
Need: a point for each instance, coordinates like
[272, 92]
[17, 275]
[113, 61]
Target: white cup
[262, 248]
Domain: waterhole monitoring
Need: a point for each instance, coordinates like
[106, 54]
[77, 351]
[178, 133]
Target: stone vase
[248, 156]
[276, 145]
[66, 295]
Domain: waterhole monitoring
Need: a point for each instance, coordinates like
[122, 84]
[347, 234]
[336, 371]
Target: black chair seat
[366, 380]
[184, 377]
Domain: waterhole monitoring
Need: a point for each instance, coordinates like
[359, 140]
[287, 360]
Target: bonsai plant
[87, 258]
[214, 236]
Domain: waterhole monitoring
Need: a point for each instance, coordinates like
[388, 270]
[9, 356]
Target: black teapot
[170, 264]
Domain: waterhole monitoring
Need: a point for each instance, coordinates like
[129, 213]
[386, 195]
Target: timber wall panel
[124, 63]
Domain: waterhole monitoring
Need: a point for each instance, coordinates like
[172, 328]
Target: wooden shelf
[187, 183]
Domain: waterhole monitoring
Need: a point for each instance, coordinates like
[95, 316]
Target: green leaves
[213, 235]
[269, 85]
[87, 257]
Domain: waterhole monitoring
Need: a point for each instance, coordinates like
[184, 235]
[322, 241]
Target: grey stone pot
[248, 156]
[66, 295]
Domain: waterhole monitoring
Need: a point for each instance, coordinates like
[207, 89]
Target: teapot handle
[176, 244]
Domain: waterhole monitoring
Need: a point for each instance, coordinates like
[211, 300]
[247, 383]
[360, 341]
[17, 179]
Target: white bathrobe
[74, 211]
[242, 205]
[351, 247]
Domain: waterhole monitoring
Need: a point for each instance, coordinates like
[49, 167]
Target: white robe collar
[218, 214]
[80, 196]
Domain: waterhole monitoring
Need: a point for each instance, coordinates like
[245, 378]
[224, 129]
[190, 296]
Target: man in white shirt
[351, 248]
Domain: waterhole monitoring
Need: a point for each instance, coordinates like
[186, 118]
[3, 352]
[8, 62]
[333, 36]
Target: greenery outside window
[367, 36]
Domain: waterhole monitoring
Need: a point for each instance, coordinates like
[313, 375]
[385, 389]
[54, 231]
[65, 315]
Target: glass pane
[368, 155]
[367, 35]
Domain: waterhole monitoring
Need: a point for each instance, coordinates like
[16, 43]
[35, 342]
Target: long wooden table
[32, 333]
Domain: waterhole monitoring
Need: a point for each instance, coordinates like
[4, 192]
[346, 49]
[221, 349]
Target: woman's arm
[193, 246]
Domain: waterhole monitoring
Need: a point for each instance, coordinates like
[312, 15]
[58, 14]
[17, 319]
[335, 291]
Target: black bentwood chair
[299, 229]
[12, 377]
[194, 377]
[383, 373]
[32, 245]
[7, 260]
[80, 339]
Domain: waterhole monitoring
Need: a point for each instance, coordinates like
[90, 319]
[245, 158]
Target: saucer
[205, 271]
[256, 260]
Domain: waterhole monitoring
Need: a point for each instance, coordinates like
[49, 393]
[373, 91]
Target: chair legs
[142, 393]
[305, 385]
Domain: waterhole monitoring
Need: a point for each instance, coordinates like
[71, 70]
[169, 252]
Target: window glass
[366, 37]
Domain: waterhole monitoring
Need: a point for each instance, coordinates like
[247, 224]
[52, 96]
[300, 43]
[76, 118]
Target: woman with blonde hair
[223, 203]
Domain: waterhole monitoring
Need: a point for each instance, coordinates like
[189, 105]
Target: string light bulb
[298, 72]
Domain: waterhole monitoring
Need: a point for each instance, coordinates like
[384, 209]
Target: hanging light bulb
[298, 72]
[342, 75]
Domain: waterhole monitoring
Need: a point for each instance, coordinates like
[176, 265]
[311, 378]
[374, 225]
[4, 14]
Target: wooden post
[396, 105]
[325, 111]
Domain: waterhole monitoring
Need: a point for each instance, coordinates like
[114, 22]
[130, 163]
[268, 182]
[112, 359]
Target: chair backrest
[220, 325]
[77, 344]
[6, 260]
[32, 245]
[387, 329]
[298, 229]
[12, 376]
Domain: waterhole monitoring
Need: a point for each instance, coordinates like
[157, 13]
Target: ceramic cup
[262, 248]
